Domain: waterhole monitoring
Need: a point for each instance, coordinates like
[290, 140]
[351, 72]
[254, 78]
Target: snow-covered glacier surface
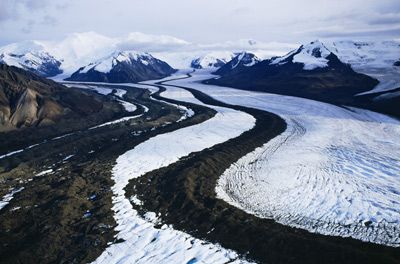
[143, 243]
[334, 171]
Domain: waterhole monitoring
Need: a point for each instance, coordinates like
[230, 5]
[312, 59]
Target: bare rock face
[27, 100]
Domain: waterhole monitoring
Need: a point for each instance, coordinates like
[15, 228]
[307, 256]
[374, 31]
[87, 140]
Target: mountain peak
[212, 60]
[123, 66]
[241, 61]
[312, 55]
[316, 49]
[36, 60]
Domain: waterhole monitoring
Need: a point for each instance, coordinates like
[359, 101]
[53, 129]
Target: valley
[158, 150]
[127, 190]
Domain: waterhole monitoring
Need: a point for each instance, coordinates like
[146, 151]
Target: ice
[120, 120]
[143, 243]
[129, 107]
[334, 171]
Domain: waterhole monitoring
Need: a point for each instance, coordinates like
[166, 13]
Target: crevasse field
[334, 170]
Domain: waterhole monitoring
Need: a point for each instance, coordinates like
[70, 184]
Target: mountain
[374, 58]
[122, 67]
[212, 60]
[311, 71]
[28, 100]
[31, 56]
[238, 63]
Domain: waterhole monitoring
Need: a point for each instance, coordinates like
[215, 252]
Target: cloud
[206, 21]
[385, 19]
[362, 33]
[11, 9]
[49, 20]
[154, 43]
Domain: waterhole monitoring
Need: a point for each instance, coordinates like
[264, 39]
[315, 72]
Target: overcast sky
[202, 21]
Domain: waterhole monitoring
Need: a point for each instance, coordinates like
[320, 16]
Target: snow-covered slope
[313, 55]
[123, 66]
[108, 63]
[212, 60]
[377, 59]
[31, 56]
[239, 62]
[245, 58]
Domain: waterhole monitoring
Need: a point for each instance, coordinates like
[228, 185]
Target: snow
[211, 59]
[334, 171]
[42, 173]
[120, 120]
[312, 55]
[68, 157]
[107, 63]
[187, 112]
[310, 62]
[129, 107]
[244, 55]
[98, 89]
[120, 92]
[143, 243]
[8, 197]
[374, 58]
[11, 153]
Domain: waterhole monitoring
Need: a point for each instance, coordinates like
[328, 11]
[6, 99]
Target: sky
[202, 21]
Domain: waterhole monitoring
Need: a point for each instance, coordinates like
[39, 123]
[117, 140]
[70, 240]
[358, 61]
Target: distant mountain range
[122, 67]
[312, 71]
[342, 72]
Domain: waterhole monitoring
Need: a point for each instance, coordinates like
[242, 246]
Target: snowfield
[143, 243]
[334, 171]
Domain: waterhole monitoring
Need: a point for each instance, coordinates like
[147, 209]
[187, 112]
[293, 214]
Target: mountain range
[342, 72]
[313, 71]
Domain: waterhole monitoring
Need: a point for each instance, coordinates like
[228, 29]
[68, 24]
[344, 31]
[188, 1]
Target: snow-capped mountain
[311, 71]
[313, 55]
[123, 66]
[212, 60]
[239, 62]
[31, 56]
[377, 59]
